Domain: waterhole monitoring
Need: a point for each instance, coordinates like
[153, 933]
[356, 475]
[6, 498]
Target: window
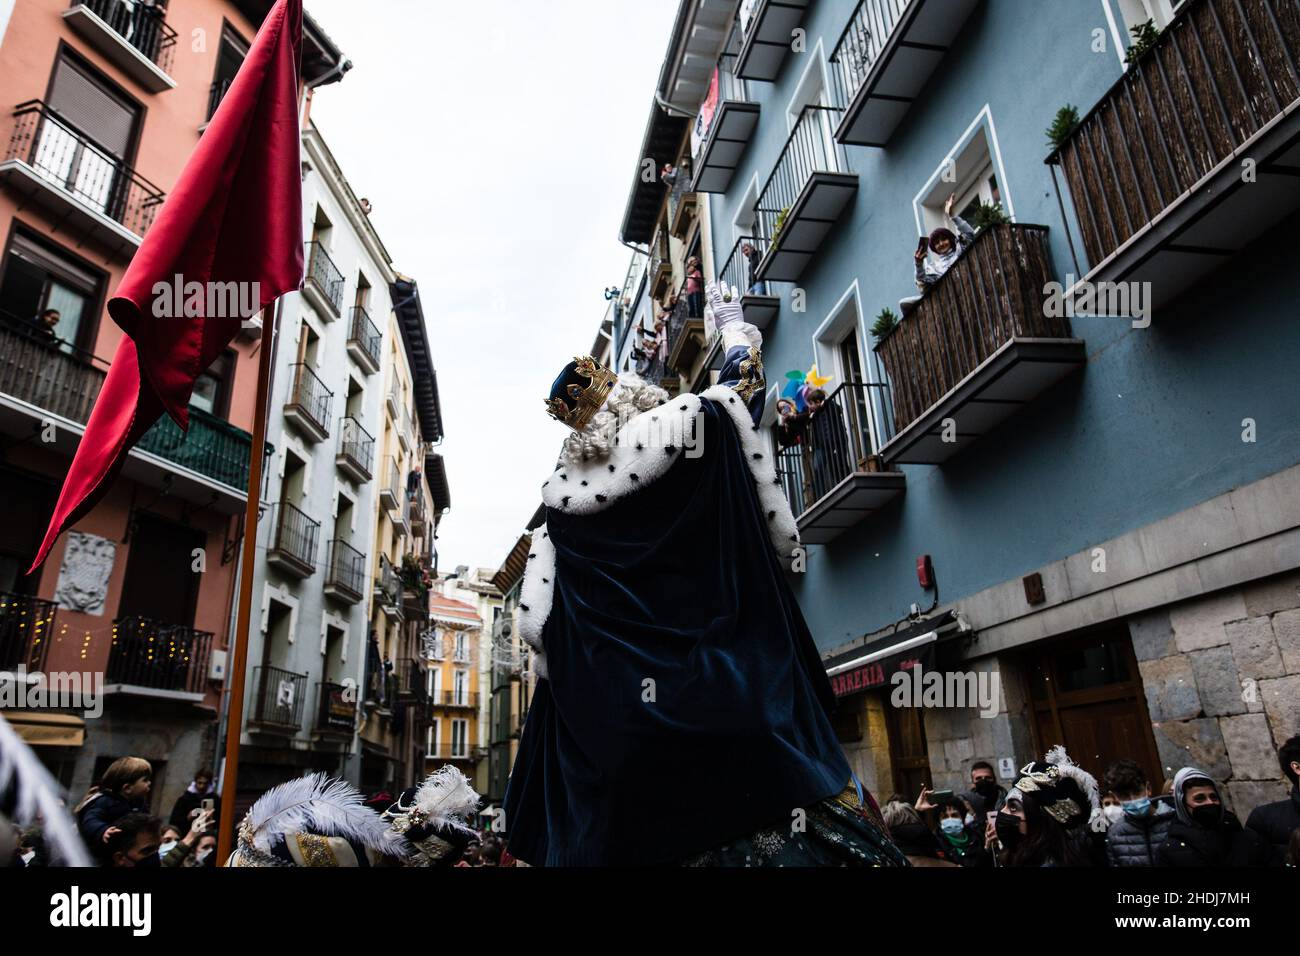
[971, 174]
[460, 738]
[229, 59]
[212, 388]
[89, 136]
[462, 647]
[431, 740]
[38, 277]
[460, 683]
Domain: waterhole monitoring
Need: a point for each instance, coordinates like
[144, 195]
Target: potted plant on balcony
[1063, 126]
[779, 224]
[1145, 36]
[882, 330]
[415, 576]
[988, 214]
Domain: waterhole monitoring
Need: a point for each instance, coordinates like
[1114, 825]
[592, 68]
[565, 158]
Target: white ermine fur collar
[646, 448]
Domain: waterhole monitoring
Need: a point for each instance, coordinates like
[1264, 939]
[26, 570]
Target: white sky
[497, 141]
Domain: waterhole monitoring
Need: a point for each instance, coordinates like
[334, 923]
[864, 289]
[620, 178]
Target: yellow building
[452, 652]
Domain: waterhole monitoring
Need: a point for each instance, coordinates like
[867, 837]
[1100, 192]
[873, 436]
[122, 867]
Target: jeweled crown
[580, 391]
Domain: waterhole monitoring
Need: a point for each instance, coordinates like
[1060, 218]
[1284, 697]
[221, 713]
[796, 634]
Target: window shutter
[93, 110]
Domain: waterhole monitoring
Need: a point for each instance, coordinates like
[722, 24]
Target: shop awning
[871, 666]
[41, 729]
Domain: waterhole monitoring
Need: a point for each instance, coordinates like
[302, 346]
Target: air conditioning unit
[217, 667]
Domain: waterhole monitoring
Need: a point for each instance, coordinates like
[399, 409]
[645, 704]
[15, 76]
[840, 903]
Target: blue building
[1066, 475]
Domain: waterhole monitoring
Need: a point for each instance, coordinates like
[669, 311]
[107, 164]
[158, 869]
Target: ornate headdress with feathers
[432, 817]
[314, 821]
[1061, 788]
[28, 794]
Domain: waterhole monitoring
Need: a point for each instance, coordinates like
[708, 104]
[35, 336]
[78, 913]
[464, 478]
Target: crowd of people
[1057, 814]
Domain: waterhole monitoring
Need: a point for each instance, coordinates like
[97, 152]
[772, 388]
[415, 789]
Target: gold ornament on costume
[583, 403]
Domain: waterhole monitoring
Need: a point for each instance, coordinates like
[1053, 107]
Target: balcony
[356, 450]
[277, 700]
[685, 336]
[735, 119]
[804, 197]
[388, 589]
[134, 38]
[660, 275]
[216, 93]
[415, 605]
[39, 380]
[976, 348]
[401, 517]
[738, 274]
[1155, 169]
[336, 715]
[884, 58]
[293, 541]
[155, 659]
[345, 575]
[323, 285]
[309, 402]
[459, 699]
[419, 516]
[26, 626]
[411, 680]
[683, 205]
[90, 192]
[833, 479]
[390, 492]
[364, 341]
[766, 38]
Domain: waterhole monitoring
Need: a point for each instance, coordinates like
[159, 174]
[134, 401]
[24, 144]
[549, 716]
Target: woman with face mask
[1045, 820]
[962, 841]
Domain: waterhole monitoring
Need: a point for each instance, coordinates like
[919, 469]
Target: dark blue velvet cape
[678, 584]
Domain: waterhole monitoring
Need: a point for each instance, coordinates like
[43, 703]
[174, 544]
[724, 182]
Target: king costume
[681, 715]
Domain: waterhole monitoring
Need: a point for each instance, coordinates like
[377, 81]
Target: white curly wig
[631, 396]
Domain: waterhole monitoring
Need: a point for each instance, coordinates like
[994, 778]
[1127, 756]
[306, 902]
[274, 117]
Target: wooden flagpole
[248, 559]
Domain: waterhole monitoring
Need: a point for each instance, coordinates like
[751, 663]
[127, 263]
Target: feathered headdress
[432, 816]
[1063, 789]
[28, 794]
[308, 822]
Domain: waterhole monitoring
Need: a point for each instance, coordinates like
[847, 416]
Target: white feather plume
[324, 806]
[446, 797]
[1086, 781]
[36, 797]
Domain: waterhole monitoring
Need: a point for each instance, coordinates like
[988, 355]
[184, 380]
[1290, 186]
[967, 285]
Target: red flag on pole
[234, 216]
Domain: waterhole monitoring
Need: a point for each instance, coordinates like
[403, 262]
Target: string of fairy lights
[19, 617]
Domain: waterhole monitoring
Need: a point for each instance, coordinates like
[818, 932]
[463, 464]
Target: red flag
[235, 215]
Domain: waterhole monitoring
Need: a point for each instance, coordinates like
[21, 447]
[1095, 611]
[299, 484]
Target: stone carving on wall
[83, 578]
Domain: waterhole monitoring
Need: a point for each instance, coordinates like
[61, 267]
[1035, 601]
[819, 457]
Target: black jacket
[1274, 822]
[1228, 844]
[188, 801]
[1136, 841]
[103, 810]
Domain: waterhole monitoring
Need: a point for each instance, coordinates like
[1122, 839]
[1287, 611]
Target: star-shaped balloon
[815, 380]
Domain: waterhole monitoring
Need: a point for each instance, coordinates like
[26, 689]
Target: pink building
[103, 102]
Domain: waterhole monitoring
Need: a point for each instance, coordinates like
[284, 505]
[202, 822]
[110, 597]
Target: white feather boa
[647, 446]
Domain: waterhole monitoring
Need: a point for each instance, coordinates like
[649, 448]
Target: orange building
[104, 101]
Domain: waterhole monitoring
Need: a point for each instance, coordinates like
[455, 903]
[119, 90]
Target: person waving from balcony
[936, 254]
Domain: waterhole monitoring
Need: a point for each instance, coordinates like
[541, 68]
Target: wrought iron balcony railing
[212, 447]
[217, 93]
[325, 276]
[143, 26]
[309, 398]
[1219, 74]
[70, 162]
[389, 583]
[347, 569]
[411, 679]
[739, 272]
[159, 656]
[467, 699]
[365, 336]
[357, 448]
[26, 626]
[278, 698]
[294, 538]
[860, 45]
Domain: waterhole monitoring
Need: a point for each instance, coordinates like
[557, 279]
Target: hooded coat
[1190, 843]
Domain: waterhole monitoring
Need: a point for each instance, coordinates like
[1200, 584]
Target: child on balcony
[944, 249]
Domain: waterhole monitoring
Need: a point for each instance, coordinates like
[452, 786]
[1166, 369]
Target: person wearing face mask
[206, 852]
[134, 842]
[1205, 832]
[984, 796]
[961, 838]
[1047, 816]
[1141, 825]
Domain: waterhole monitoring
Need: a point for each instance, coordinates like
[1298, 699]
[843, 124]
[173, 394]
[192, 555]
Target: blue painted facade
[1152, 425]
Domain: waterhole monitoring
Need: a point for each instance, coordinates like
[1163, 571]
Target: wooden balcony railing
[994, 292]
[157, 655]
[26, 629]
[1221, 72]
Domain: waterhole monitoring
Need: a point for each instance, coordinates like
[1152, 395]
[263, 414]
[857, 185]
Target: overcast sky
[497, 141]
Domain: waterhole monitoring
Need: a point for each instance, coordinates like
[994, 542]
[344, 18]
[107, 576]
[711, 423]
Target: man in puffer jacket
[1136, 837]
[1205, 832]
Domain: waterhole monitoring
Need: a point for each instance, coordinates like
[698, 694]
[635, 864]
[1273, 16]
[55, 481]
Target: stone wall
[1222, 681]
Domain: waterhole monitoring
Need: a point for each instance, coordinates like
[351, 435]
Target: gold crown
[582, 403]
